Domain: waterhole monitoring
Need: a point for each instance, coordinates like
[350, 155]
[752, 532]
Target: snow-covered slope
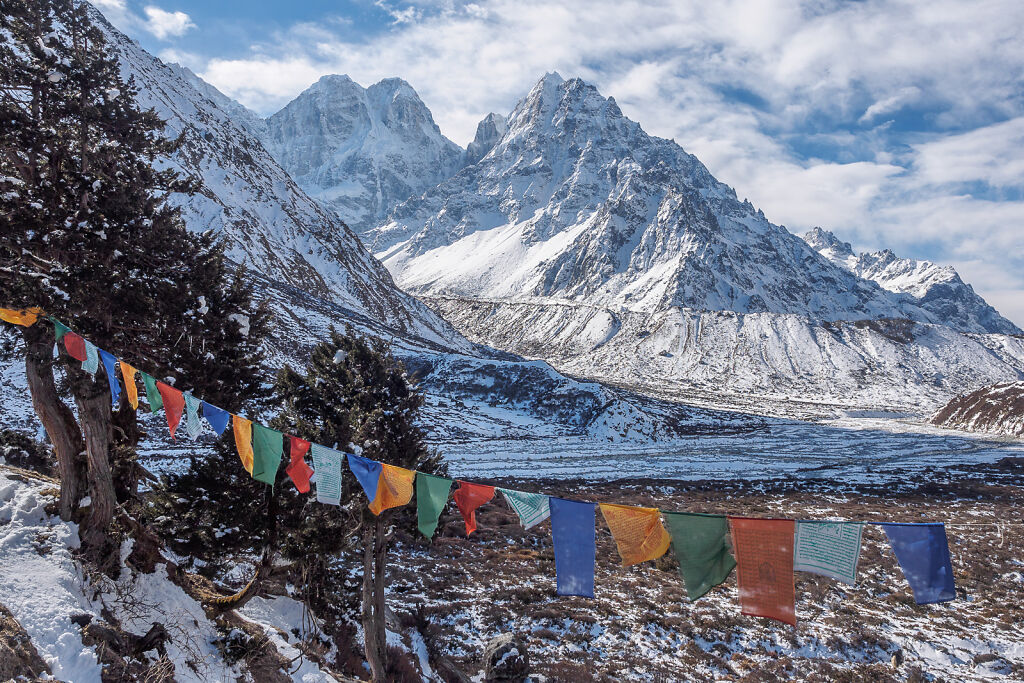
[271, 225]
[998, 409]
[763, 362]
[935, 288]
[361, 150]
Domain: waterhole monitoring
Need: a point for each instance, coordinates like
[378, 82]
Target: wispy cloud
[164, 24]
[154, 20]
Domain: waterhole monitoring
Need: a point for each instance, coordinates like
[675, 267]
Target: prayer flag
[128, 375]
[923, 553]
[431, 497]
[298, 471]
[367, 473]
[174, 405]
[91, 364]
[394, 488]
[764, 572]
[575, 539]
[243, 440]
[217, 418]
[193, 423]
[830, 549]
[26, 317]
[638, 532]
[109, 365]
[700, 545]
[267, 447]
[152, 393]
[468, 497]
[59, 328]
[532, 508]
[74, 344]
[327, 465]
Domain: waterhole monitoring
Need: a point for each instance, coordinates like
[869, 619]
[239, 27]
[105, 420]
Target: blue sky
[895, 124]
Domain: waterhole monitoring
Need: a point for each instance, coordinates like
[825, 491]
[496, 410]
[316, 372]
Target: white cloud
[891, 104]
[164, 24]
[991, 154]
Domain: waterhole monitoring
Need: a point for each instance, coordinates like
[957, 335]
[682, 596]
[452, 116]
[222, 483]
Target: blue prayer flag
[367, 472]
[217, 418]
[923, 553]
[575, 538]
[109, 362]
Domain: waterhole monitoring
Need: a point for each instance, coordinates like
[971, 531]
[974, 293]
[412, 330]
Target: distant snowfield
[849, 449]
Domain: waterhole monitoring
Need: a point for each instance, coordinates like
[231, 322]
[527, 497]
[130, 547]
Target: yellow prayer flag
[394, 488]
[638, 532]
[243, 440]
[26, 317]
[128, 375]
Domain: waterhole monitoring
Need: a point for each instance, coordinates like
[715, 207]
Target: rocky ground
[640, 626]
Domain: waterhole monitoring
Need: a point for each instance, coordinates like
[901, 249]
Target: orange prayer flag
[26, 317]
[638, 532]
[243, 440]
[394, 488]
[128, 375]
[468, 497]
[764, 567]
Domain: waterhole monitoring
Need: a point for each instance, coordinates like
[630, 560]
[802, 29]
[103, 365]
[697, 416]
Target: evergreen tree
[87, 234]
[354, 396]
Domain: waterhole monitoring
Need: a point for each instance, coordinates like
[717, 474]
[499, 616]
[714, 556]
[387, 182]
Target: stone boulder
[506, 659]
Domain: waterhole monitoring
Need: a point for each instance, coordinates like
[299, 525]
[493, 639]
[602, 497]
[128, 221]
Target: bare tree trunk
[57, 418]
[379, 609]
[372, 645]
[94, 411]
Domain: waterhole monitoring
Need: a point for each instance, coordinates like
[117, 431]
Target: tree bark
[57, 418]
[379, 609]
[93, 399]
[373, 647]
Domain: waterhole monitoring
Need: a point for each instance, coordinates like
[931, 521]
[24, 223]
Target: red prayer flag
[75, 345]
[468, 497]
[764, 567]
[174, 404]
[297, 469]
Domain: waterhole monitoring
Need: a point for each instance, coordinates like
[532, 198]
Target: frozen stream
[848, 449]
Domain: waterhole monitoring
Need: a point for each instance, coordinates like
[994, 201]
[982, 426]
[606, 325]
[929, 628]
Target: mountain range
[572, 235]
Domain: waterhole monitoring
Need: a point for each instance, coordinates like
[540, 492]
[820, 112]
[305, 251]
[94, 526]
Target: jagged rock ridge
[933, 287]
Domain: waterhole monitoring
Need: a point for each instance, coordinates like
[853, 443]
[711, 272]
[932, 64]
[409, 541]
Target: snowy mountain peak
[825, 240]
[488, 133]
[361, 150]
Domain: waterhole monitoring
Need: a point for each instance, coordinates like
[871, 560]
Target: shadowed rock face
[998, 409]
[361, 150]
[936, 289]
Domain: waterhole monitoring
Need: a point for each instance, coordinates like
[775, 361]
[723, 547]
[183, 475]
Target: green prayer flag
[152, 393]
[59, 328]
[532, 508]
[828, 548]
[700, 546]
[431, 497]
[267, 451]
